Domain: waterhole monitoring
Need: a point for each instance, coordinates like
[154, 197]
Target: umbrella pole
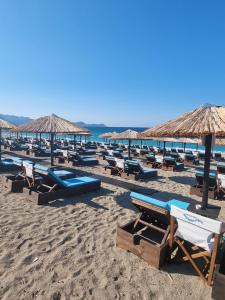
[164, 148]
[184, 147]
[129, 142]
[0, 143]
[208, 145]
[52, 149]
[74, 142]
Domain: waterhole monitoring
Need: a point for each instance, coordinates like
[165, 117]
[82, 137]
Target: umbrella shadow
[87, 198]
[187, 180]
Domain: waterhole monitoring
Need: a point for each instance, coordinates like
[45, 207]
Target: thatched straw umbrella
[205, 122]
[51, 124]
[4, 125]
[127, 135]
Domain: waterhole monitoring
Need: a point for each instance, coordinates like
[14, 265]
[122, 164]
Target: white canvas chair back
[195, 228]
[221, 180]
[110, 152]
[159, 158]
[120, 163]
[29, 169]
[65, 153]
[182, 155]
[138, 150]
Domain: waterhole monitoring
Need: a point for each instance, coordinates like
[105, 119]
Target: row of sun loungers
[128, 169]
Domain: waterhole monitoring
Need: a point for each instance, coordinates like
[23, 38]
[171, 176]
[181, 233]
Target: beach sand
[67, 250]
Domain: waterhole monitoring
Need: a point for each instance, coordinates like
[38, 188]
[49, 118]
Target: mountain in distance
[19, 120]
[82, 124]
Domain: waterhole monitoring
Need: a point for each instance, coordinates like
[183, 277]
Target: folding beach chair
[198, 239]
[31, 177]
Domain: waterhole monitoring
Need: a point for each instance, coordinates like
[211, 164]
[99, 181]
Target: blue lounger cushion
[148, 170]
[179, 164]
[41, 168]
[6, 163]
[200, 172]
[78, 181]
[221, 165]
[149, 200]
[62, 172]
[88, 159]
[162, 204]
[178, 203]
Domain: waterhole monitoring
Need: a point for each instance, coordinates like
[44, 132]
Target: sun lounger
[80, 160]
[221, 168]
[197, 189]
[133, 170]
[147, 234]
[8, 165]
[170, 164]
[190, 160]
[218, 156]
[56, 184]
[198, 238]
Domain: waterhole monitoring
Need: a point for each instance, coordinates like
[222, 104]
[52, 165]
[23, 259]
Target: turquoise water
[96, 131]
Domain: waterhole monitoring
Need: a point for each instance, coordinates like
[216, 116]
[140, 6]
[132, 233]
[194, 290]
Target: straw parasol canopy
[51, 124]
[107, 135]
[206, 122]
[128, 135]
[4, 125]
[207, 119]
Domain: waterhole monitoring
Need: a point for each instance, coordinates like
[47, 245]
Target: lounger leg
[191, 261]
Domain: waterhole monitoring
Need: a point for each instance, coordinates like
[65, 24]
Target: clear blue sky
[121, 62]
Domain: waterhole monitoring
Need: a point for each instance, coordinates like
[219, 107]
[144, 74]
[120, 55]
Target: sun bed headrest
[162, 204]
[149, 200]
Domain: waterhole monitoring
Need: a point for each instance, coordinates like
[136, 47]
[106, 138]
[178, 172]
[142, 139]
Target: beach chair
[197, 189]
[221, 168]
[7, 164]
[190, 160]
[220, 186]
[59, 184]
[198, 238]
[133, 170]
[170, 164]
[218, 156]
[80, 160]
[151, 161]
[148, 234]
[110, 168]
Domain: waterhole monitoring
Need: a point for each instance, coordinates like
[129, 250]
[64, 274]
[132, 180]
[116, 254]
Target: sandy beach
[67, 250]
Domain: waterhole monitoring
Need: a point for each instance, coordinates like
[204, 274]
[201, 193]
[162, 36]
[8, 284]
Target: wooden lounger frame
[55, 192]
[153, 252]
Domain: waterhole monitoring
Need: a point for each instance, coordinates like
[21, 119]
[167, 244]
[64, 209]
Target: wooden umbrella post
[52, 149]
[164, 148]
[208, 146]
[129, 142]
[0, 143]
[74, 142]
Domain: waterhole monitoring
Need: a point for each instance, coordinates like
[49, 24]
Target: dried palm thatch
[6, 125]
[50, 124]
[127, 135]
[107, 135]
[202, 121]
